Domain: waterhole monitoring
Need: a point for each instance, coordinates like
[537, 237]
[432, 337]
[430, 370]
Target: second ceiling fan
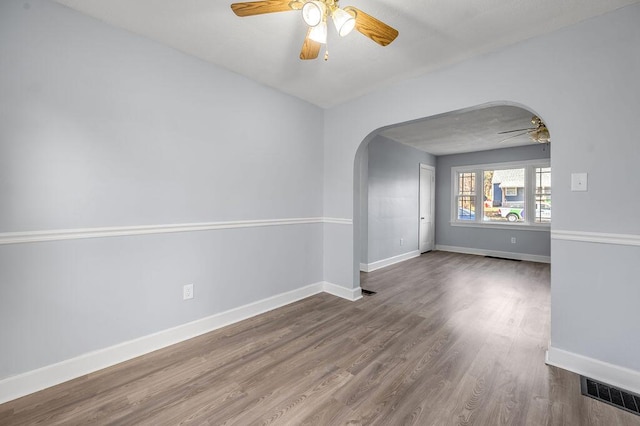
[316, 13]
[538, 133]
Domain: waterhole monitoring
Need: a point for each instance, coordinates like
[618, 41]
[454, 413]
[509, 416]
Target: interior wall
[364, 207]
[102, 128]
[583, 74]
[393, 198]
[99, 127]
[530, 242]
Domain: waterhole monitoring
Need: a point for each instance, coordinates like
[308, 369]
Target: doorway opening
[388, 230]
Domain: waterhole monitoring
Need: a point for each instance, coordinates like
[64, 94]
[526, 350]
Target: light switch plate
[579, 181]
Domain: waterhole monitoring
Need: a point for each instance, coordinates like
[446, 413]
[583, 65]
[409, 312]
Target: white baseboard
[389, 261]
[50, 375]
[351, 294]
[621, 377]
[496, 253]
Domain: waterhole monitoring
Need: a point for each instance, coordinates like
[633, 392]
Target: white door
[427, 208]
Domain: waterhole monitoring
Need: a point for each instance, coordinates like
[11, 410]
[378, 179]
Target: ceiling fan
[315, 14]
[539, 133]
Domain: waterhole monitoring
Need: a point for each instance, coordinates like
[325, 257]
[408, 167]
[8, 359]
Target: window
[504, 195]
[466, 198]
[509, 194]
[543, 194]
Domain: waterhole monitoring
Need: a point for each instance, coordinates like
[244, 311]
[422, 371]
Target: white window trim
[530, 195]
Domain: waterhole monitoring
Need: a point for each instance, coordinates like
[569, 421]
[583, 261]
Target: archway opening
[496, 141]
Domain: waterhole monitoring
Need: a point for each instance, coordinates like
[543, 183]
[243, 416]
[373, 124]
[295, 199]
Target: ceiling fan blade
[310, 48]
[260, 7]
[296, 4]
[514, 136]
[517, 130]
[373, 28]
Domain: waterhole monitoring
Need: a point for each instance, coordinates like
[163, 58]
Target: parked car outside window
[466, 214]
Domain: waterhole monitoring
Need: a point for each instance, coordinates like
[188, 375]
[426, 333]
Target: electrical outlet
[401, 241]
[187, 292]
[513, 240]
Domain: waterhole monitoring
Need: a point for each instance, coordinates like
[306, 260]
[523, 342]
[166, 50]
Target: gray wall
[102, 128]
[527, 242]
[393, 194]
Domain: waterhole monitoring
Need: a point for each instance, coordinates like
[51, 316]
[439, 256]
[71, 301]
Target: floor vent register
[503, 258]
[611, 395]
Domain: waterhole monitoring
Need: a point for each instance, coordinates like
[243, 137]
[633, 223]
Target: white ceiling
[265, 48]
[465, 131]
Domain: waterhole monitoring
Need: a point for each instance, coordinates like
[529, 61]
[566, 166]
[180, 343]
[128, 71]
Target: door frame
[423, 166]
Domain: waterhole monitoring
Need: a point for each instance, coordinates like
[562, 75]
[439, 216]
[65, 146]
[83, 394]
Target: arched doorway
[489, 134]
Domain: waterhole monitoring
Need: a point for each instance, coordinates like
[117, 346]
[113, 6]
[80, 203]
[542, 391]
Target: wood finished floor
[449, 339]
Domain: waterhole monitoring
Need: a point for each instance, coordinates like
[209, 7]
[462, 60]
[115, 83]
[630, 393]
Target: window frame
[529, 167]
[511, 191]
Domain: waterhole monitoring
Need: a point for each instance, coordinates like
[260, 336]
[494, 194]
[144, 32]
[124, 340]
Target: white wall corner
[388, 261]
[351, 294]
[614, 375]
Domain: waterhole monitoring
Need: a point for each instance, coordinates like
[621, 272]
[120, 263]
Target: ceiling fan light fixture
[319, 32]
[541, 135]
[344, 21]
[313, 13]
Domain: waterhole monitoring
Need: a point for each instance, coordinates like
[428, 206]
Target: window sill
[518, 226]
